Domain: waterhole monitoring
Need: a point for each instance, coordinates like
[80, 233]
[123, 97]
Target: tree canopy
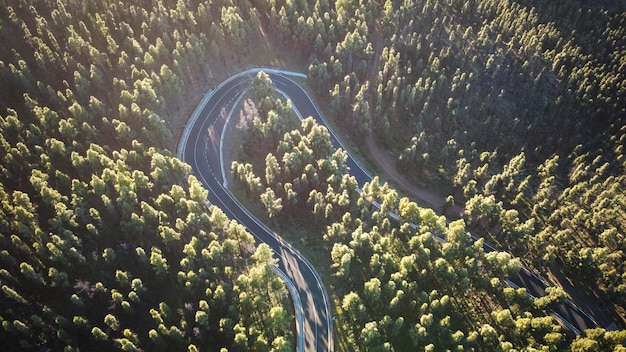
[513, 109]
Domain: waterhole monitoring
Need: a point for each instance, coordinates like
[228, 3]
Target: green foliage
[105, 239]
[390, 264]
[477, 75]
[497, 194]
[89, 195]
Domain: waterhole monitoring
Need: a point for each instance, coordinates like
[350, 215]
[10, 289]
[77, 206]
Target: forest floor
[390, 173]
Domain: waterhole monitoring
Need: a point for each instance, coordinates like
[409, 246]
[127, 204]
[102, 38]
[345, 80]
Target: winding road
[201, 147]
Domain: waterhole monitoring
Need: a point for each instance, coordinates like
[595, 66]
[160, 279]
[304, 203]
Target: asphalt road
[200, 147]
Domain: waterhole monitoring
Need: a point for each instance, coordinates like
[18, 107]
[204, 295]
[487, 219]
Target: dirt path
[389, 173]
[386, 162]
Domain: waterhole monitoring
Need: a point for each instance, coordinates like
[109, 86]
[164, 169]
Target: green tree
[272, 204]
[262, 92]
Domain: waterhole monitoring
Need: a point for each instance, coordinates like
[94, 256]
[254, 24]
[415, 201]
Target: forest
[515, 110]
[512, 111]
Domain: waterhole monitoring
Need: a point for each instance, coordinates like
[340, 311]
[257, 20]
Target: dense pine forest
[513, 110]
[516, 108]
[106, 239]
